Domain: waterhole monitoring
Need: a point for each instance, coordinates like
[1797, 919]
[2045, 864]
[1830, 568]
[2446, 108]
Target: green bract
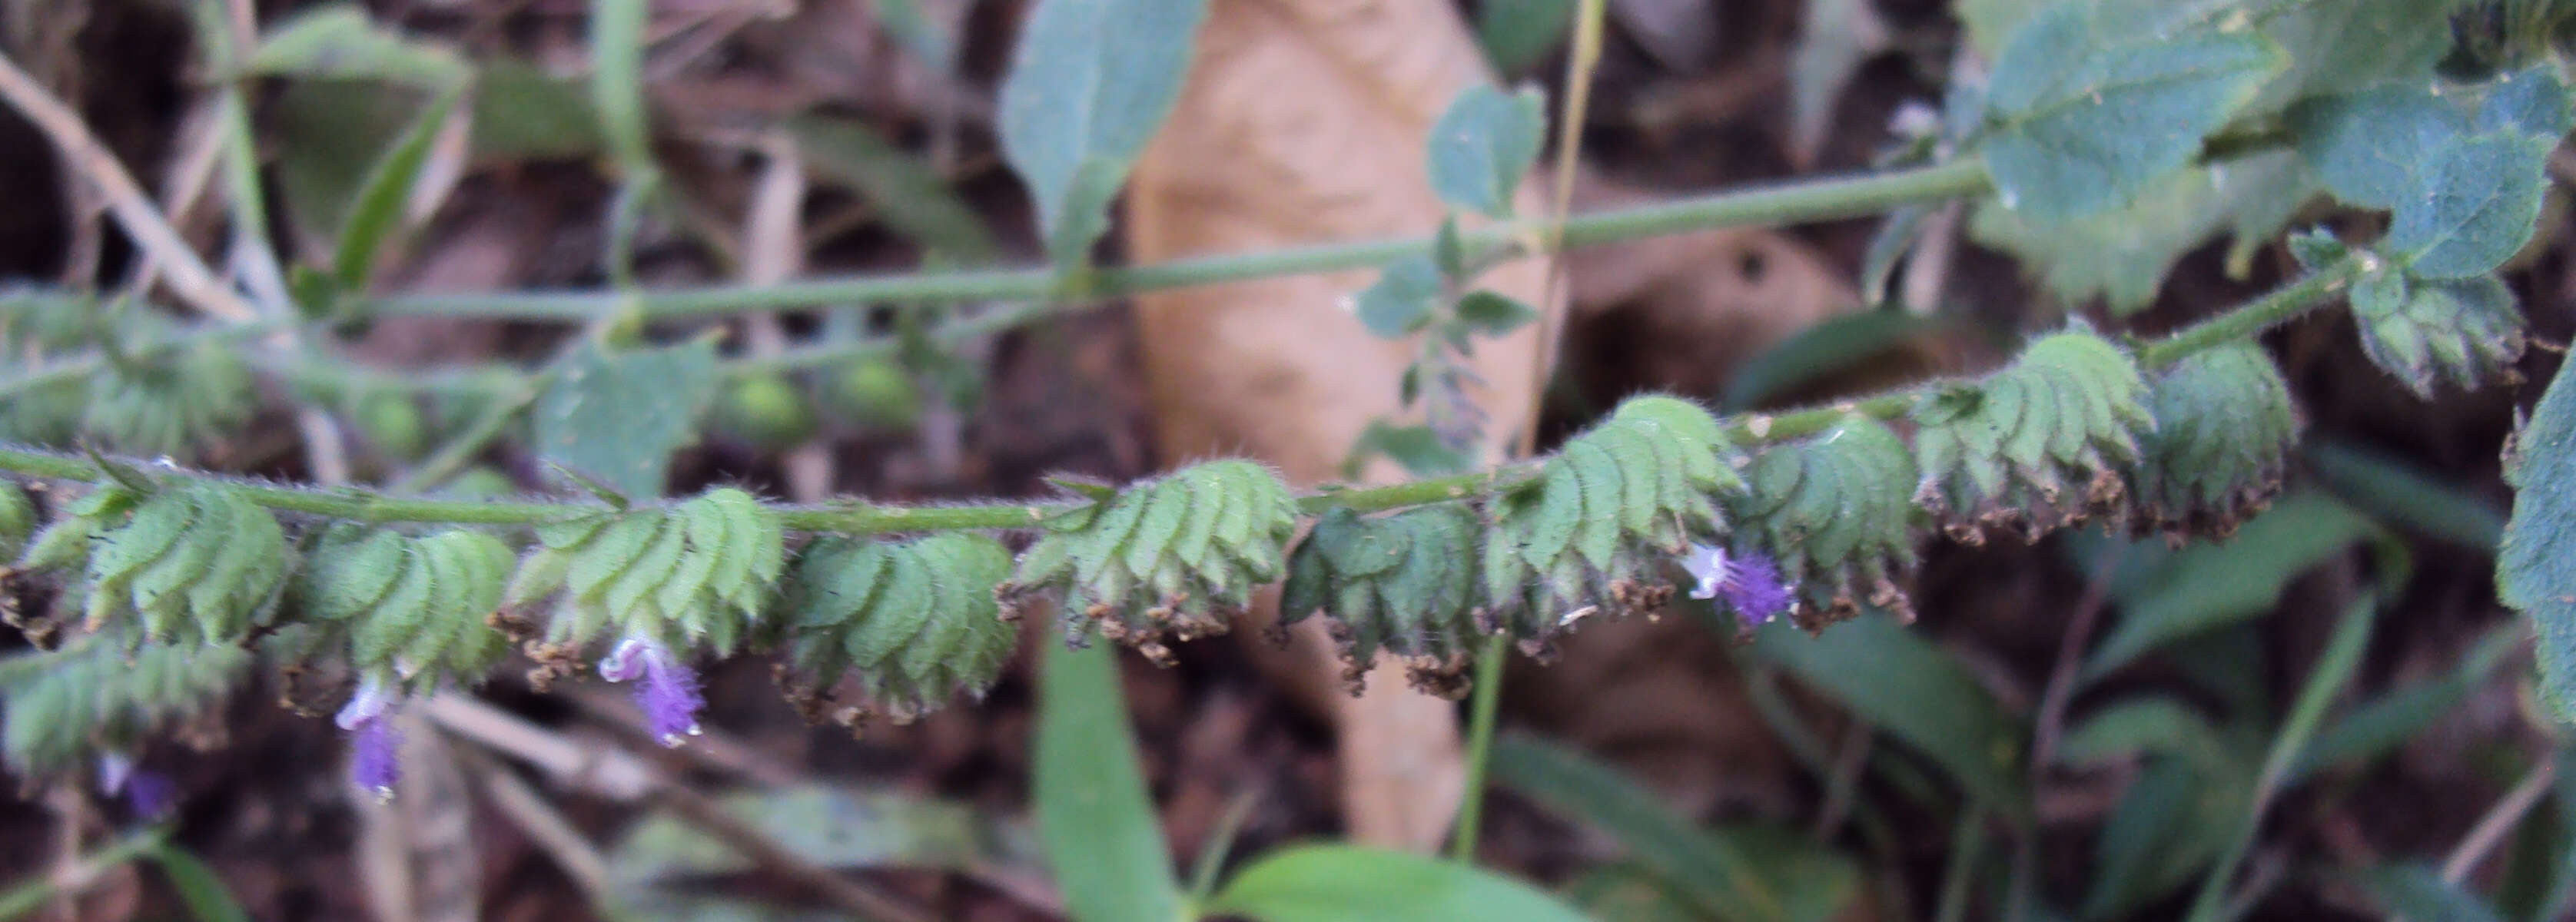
[61, 705]
[2465, 330]
[1834, 512]
[417, 608]
[171, 409]
[1178, 556]
[1405, 583]
[2037, 445]
[915, 621]
[692, 576]
[2224, 427]
[1597, 529]
[194, 564]
[17, 520]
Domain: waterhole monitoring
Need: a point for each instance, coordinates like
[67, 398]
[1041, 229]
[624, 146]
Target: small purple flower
[375, 746]
[1750, 584]
[668, 694]
[148, 793]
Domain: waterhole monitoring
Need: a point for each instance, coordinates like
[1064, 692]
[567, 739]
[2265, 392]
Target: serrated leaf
[1482, 145]
[2536, 566]
[1090, 82]
[1402, 299]
[2088, 110]
[617, 416]
[1350, 883]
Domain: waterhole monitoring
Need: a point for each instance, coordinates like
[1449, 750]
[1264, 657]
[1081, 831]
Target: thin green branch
[1744, 430]
[1483, 712]
[1788, 203]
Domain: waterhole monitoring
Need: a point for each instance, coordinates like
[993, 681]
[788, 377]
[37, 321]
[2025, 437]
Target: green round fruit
[765, 410]
[392, 422]
[877, 394]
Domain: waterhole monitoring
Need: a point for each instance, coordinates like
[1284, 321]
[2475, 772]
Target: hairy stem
[2281, 305]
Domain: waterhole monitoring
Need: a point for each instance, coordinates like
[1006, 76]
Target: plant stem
[1787, 203]
[1482, 711]
[2272, 309]
[28, 896]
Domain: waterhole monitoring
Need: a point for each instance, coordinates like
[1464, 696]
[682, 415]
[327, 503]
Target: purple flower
[148, 793]
[1750, 584]
[375, 746]
[668, 694]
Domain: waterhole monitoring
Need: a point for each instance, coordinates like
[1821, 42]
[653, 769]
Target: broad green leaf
[2175, 818]
[199, 887]
[381, 198]
[1090, 82]
[1896, 679]
[2336, 44]
[332, 136]
[2369, 146]
[911, 199]
[1517, 34]
[1487, 313]
[1715, 872]
[2380, 725]
[522, 112]
[1401, 300]
[1482, 146]
[2531, 101]
[2166, 596]
[617, 415]
[1094, 816]
[2536, 565]
[2122, 255]
[1830, 346]
[2476, 206]
[1349, 883]
[2088, 109]
[2418, 893]
[1990, 24]
[826, 825]
[339, 41]
[2393, 491]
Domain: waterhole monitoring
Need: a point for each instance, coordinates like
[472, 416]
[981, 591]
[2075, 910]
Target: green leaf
[1094, 816]
[1899, 681]
[1482, 146]
[1418, 448]
[381, 197]
[2369, 146]
[2536, 566]
[1349, 883]
[2088, 109]
[907, 195]
[827, 825]
[1401, 300]
[2166, 596]
[2347, 43]
[617, 415]
[2394, 491]
[1829, 347]
[2122, 255]
[2378, 726]
[521, 112]
[2477, 206]
[2534, 101]
[199, 887]
[2174, 819]
[1487, 313]
[2414, 891]
[1717, 873]
[1090, 82]
[338, 41]
[1517, 34]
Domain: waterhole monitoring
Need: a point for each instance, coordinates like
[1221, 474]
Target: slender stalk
[1787, 203]
[1482, 712]
[2281, 305]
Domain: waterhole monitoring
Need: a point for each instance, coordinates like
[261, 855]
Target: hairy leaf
[1611, 510]
[198, 564]
[2089, 105]
[2223, 433]
[1482, 145]
[1835, 512]
[1090, 82]
[173, 407]
[915, 621]
[1405, 583]
[2122, 255]
[2536, 567]
[2036, 446]
[1172, 558]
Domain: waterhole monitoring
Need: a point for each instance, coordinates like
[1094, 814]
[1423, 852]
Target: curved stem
[2279, 306]
[1787, 203]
